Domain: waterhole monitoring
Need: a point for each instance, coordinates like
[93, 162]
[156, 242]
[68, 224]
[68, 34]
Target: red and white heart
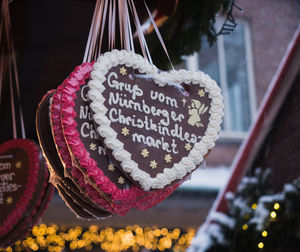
[156, 131]
[87, 149]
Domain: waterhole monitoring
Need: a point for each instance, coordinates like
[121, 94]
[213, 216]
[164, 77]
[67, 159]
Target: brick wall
[272, 24]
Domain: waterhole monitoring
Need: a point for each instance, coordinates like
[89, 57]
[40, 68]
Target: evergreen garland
[191, 23]
[257, 220]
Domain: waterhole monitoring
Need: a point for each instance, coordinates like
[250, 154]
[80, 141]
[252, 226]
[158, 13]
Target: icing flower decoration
[201, 93]
[123, 71]
[168, 158]
[188, 146]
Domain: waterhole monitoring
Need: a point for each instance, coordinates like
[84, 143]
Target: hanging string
[12, 63]
[140, 33]
[96, 28]
[158, 34]
[114, 25]
[111, 25]
[120, 5]
[125, 24]
[128, 29]
[12, 102]
[94, 44]
[16, 77]
[102, 27]
[6, 34]
[91, 32]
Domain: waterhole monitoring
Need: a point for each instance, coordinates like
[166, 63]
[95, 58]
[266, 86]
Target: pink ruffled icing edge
[134, 195]
[65, 156]
[32, 179]
[73, 84]
[41, 206]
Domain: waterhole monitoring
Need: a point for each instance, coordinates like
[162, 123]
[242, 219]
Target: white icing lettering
[174, 145]
[84, 93]
[85, 113]
[7, 176]
[151, 142]
[87, 130]
[85, 125]
[7, 185]
[114, 98]
[176, 118]
[115, 115]
[162, 98]
[5, 166]
[101, 150]
[133, 90]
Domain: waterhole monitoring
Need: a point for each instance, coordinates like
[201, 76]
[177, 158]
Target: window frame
[192, 64]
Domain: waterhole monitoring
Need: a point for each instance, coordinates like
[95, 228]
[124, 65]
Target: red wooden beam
[273, 99]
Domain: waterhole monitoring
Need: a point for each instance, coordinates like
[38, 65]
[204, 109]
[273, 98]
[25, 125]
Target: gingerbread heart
[53, 158]
[32, 217]
[86, 148]
[156, 126]
[21, 180]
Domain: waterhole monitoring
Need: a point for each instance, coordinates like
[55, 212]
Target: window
[228, 62]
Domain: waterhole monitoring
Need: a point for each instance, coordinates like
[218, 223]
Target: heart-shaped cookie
[21, 181]
[71, 171]
[42, 197]
[55, 165]
[156, 126]
[87, 149]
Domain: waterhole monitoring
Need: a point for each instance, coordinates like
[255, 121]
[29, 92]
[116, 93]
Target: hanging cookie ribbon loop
[105, 11]
[8, 44]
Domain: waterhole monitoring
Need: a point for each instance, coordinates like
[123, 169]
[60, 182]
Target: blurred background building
[52, 41]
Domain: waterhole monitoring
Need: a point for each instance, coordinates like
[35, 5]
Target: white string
[114, 24]
[110, 26]
[96, 31]
[102, 26]
[4, 10]
[165, 80]
[88, 43]
[14, 62]
[158, 34]
[94, 44]
[120, 23]
[140, 33]
[128, 28]
[12, 103]
[12, 69]
[125, 24]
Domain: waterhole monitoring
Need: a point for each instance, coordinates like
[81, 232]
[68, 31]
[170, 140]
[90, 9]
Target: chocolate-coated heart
[156, 126]
[19, 175]
[56, 168]
[32, 217]
[87, 149]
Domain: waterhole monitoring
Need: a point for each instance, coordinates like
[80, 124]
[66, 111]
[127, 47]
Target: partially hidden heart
[156, 126]
[19, 174]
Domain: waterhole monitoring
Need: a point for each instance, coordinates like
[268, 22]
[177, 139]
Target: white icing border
[195, 157]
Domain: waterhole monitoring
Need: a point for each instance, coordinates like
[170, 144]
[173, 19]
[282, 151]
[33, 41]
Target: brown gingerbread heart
[155, 130]
[21, 177]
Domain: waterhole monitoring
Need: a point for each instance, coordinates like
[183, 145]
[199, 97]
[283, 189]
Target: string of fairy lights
[264, 234]
[55, 238]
